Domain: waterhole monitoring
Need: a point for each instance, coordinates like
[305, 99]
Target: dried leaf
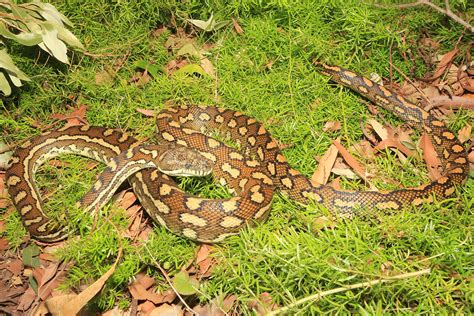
[76, 117]
[71, 304]
[203, 253]
[208, 67]
[167, 310]
[126, 199]
[26, 299]
[238, 29]
[15, 266]
[431, 157]
[393, 143]
[332, 126]
[464, 133]
[351, 161]
[443, 64]
[379, 129]
[322, 173]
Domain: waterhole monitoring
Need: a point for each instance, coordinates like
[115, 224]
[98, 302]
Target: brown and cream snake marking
[252, 175]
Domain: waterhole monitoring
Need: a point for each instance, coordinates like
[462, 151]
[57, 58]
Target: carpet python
[252, 174]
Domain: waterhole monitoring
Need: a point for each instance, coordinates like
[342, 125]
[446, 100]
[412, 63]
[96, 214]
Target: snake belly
[252, 174]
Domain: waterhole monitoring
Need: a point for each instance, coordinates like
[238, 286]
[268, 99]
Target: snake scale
[252, 174]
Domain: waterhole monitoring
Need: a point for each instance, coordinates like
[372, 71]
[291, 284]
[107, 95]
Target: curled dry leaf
[76, 117]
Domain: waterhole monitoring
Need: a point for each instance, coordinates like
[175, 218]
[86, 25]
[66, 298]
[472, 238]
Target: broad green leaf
[24, 38]
[15, 80]
[55, 46]
[52, 9]
[190, 70]
[4, 84]
[7, 63]
[69, 38]
[152, 69]
[184, 284]
[209, 25]
[30, 256]
[203, 25]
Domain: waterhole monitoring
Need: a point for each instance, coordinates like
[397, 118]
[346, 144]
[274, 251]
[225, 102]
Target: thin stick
[447, 11]
[412, 83]
[318, 296]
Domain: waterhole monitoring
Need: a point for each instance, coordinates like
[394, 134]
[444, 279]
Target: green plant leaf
[30, 256]
[191, 69]
[152, 69]
[4, 84]
[191, 50]
[24, 38]
[53, 44]
[184, 284]
[7, 63]
[51, 14]
[210, 25]
[66, 36]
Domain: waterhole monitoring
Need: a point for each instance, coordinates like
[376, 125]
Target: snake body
[252, 174]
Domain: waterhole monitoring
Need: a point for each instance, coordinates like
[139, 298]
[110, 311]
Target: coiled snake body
[253, 174]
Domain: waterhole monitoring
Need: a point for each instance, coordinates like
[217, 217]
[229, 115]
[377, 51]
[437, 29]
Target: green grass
[282, 256]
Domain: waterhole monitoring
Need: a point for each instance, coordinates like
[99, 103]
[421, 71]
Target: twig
[412, 83]
[447, 11]
[454, 102]
[318, 296]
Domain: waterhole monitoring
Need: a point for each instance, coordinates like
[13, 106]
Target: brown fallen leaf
[15, 266]
[167, 310]
[464, 133]
[238, 29]
[332, 126]
[323, 171]
[146, 307]
[351, 161]
[146, 112]
[174, 65]
[125, 199]
[76, 117]
[393, 143]
[208, 67]
[26, 299]
[4, 245]
[71, 304]
[430, 157]
[140, 78]
[445, 61]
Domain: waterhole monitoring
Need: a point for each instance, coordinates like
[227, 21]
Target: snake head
[183, 161]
